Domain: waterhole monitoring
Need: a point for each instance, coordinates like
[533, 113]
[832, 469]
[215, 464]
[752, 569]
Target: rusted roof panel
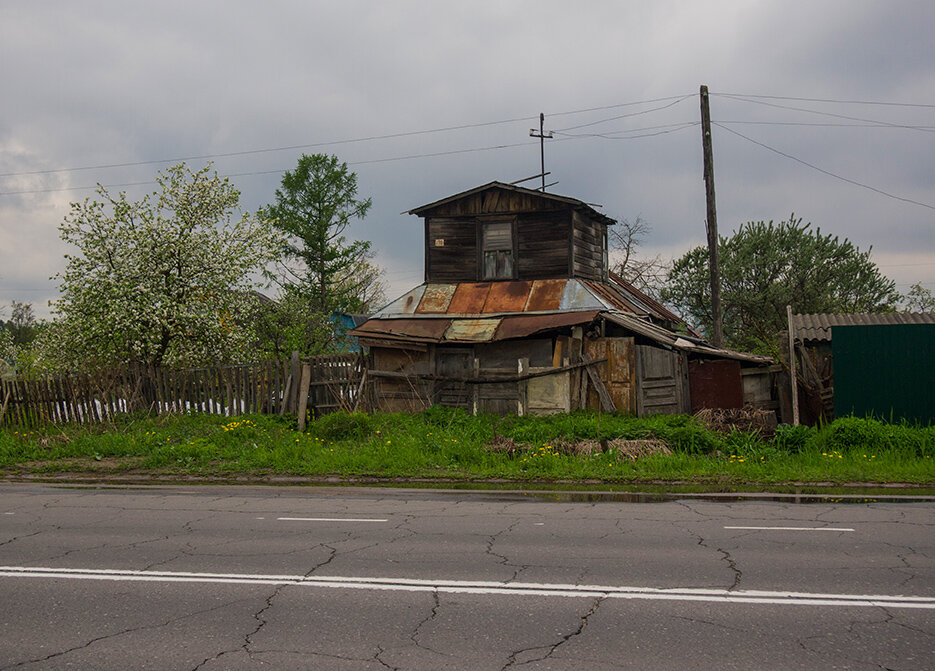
[436, 298]
[507, 297]
[545, 296]
[818, 327]
[416, 328]
[472, 330]
[579, 297]
[527, 325]
[469, 298]
[405, 304]
[614, 299]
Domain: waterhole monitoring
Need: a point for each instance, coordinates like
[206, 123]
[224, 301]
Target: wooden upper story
[503, 232]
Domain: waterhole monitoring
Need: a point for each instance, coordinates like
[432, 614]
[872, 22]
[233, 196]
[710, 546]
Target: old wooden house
[519, 313]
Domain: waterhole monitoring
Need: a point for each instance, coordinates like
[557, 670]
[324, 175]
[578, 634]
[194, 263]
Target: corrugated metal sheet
[430, 329]
[436, 299]
[614, 299]
[404, 305]
[472, 330]
[507, 297]
[545, 296]
[527, 325]
[886, 371]
[469, 298]
[578, 297]
[818, 326]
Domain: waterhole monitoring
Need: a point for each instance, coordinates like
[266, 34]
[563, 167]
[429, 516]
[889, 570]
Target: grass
[443, 443]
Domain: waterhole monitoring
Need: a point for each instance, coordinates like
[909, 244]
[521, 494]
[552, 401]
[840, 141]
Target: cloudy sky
[825, 109]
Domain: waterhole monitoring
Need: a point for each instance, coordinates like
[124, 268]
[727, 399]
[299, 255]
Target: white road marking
[326, 519]
[483, 587]
[9, 513]
[794, 528]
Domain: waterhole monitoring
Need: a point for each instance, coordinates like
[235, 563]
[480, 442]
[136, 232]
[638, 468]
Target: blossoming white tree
[166, 280]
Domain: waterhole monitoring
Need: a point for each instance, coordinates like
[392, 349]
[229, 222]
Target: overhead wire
[370, 138]
[823, 171]
[925, 129]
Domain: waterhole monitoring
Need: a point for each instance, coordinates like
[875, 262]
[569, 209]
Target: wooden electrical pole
[711, 223]
[542, 135]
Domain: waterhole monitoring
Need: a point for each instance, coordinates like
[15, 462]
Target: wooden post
[295, 371]
[302, 404]
[522, 405]
[792, 373]
[718, 336]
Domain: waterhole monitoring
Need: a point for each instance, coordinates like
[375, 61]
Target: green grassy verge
[450, 444]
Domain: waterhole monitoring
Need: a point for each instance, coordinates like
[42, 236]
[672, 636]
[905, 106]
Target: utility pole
[711, 222]
[542, 135]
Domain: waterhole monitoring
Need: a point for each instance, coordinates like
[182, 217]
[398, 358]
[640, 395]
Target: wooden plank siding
[588, 244]
[542, 246]
[451, 250]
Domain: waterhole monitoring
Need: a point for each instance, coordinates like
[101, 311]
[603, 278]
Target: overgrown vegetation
[443, 443]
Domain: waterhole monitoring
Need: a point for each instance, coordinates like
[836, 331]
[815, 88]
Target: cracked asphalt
[211, 577]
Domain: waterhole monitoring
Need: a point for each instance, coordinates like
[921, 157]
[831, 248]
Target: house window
[498, 251]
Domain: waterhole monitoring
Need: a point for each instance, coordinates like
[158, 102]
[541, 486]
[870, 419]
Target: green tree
[291, 324]
[765, 267]
[314, 206]
[22, 323]
[162, 281]
[919, 299]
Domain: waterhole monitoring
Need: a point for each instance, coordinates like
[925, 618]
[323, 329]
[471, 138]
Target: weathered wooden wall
[589, 244]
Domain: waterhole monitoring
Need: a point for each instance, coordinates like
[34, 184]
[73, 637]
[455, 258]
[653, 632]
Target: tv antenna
[542, 135]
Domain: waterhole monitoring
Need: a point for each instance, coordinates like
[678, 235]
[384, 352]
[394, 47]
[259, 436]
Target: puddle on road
[572, 493]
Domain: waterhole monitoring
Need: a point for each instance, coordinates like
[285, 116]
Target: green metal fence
[885, 370]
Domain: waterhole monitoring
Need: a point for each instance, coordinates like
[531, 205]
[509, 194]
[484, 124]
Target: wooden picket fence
[301, 387]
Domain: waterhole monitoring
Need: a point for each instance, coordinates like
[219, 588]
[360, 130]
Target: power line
[826, 100]
[614, 135]
[826, 172]
[624, 116]
[925, 129]
[370, 138]
[817, 124]
[276, 171]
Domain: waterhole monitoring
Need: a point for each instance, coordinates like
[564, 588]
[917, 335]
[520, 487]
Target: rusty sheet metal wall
[663, 382]
[618, 373]
[715, 384]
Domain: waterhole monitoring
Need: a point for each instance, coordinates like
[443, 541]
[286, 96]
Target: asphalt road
[214, 577]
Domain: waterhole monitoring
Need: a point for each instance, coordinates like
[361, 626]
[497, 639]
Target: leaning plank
[607, 404]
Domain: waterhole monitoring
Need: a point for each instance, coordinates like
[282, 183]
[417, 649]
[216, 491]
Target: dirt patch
[79, 464]
[623, 449]
[747, 419]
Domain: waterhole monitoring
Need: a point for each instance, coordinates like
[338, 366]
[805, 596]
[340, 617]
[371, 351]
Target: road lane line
[327, 519]
[794, 528]
[483, 587]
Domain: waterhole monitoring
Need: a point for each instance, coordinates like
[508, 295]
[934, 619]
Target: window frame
[482, 250]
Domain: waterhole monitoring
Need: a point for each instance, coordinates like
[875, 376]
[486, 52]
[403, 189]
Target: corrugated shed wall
[887, 371]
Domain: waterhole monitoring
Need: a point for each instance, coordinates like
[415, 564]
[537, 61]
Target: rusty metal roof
[503, 298]
[422, 210]
[527, 325]
[818, 326]
[484, 329]
[673, 340]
